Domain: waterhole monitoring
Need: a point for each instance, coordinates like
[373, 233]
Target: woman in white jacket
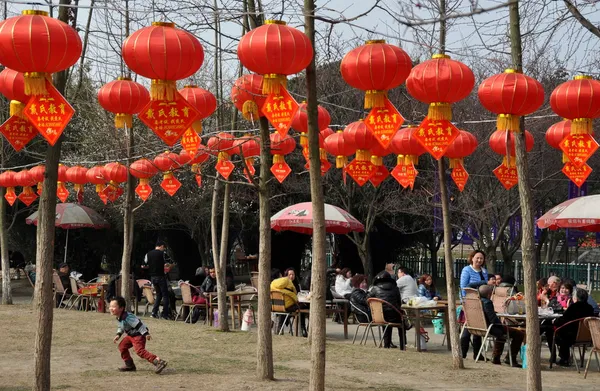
[343, 282]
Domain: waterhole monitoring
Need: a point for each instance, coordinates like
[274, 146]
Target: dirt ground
[84, 358]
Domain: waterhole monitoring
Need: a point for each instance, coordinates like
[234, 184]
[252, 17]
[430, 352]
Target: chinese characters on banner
[225, 168]
[506, 175]
[405, 174]
[384, 122]
[190, 141]
[143, 191]
[577, 175]
[379, 176]
[280, 109]
[170, 185]
[360, 171]
[578, 148]
[460, 176]
[436, 136]
[49, 113]
[281, 171]
[169, 119]
[18, 131]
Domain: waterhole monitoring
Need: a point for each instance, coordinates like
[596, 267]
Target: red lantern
[247, 96]
[337, 146]
[202, 100]
[326, 133]
[61, 191]
[360, 137]
[498, 143]
[462, 146]
[164, 54]
[377, 153]
[222, 145]
[375, 68]
[440, 82]
[24, 178]
[300, 121]
[115, 172]
[37, 45]
[579, 101]
[250, 148]
[77, 175]
[167, 161]
[511, 95]
[406, 146]
[124, 98]
[12, 86]
[143, 169]
[281, 146]
[38, 173]
[8, 179]
[275, 50]
[96, 176]
[200, 158]
[557, 133]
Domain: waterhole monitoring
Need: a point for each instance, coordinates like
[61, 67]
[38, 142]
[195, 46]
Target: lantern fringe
[122, 120]
[167, 175]
[272, 83]
[509, 161]
[250, 110]
[322, 154]
[35, 83]
[99, 188]
[440, 110]
[78, 187]
[455, 163]
[375, 98]
[144, 181]
[196, 168]
[223, 156]
[376, 160]
[163, 90]
[197, 126]
[581, 126]
[303, 140]
[341, 161]
[16, 108]
[278, 159]
[363, 155]
[508, 122]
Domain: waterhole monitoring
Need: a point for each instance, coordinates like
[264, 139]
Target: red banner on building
[436, 136]
[169, 119]
[577, 175]
[460, 176]
[384, 122]
[405, 174]
[18, 131]
[280, 109]
[579, 147]
[360, 171]
[49, 113]
[506, 175]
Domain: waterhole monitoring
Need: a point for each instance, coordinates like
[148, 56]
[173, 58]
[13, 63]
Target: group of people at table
[562, 297]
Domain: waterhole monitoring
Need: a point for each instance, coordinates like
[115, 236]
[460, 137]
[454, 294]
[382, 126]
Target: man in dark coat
[384, 288]
[155, 263]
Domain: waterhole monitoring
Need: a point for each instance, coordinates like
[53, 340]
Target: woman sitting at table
[290, 297]
[427, 288]
[291, 274]
[385, 288]
[565, 337]
[343, 282]
[358, 298]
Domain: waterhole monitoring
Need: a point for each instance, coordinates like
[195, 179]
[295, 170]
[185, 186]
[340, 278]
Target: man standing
[155, 263]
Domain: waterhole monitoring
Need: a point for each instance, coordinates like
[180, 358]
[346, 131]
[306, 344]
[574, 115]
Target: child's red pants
[139, 345]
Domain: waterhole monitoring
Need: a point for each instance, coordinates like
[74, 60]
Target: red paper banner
[170, 185]
[143, 191]
[199, 180]
[579, 148]
[384, 122]
[506, 175]
[49, 113]
[436, 136]
[18, 131]
[360, 171]
[10, 195]
[61, 192]
[280, 110]
[169, 119]
[460, 176]
[111, 192]
[190, 141]
[28, 198]
[405, 175]
[281, 171]
[577, 175]
[379, 176]
[225, 168]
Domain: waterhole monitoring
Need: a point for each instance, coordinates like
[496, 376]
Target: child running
[137, 334]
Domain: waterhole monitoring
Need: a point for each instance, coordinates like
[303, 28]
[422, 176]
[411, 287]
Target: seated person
[358, 298]
[565, 337]
[407, 285]
[499, 279]
[491, 280]
[209, 284]
[427, 288]
[63, 274]
[542, 285]
[499, 332]
[550, 291]
[506, 281]
[290, 297]
[385, 288]
[343, 282]
[562, 300]
[31, 272]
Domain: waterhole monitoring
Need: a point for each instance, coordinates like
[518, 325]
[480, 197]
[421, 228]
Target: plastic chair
[583, 339]
[378, 319]
[593, 324]
[278, 308]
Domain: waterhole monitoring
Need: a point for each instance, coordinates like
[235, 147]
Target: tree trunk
[221, 266]
[534, 374]
[6, 290]
[364, 255]
[264, 351]
[319, 265]
[127, 222]
[214, 222]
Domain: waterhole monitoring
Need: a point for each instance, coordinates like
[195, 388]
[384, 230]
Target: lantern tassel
[167, 175]
[196, 168]
[272, 83]
[197, 126]
[322, 154]
[16, 108]
[144, 181]
[581, 126]
[99, 188]
[439, 111]
[123, 120]
[249, 161]
[163, 90]
[278, 159]
[509, 161]
[375, 98]
[340, 161]
[455, 163]
[223, 156]
[250, 110]
[303, 140]
[35, 83]
[363, 155]
[376, 160]
[508, 122]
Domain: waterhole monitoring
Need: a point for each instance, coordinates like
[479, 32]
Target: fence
[582, 273]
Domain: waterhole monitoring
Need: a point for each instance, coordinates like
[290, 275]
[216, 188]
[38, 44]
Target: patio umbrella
[582, 213]
[70, 216]
[298, 218]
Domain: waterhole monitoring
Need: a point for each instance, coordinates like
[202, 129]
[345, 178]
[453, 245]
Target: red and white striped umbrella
[299, 218]
[582, 213]
[70, 216]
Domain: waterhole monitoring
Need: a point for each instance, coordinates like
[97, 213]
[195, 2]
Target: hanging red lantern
[61, 191]
[300, 121]
[77, 175]
[247, 96]
[164, 54]
[406, 146]
[557, 133]
[275, 51]
[12, 86]
[337, 146]
[143, 169]
[579, 101]
[115, 173]
[167, 162]
[326, 133]
[281, 146]
[206, 104]
[8, 179]
[222, 145]
[360, 137]
[124, 98]
[510, 95]
[37, 45]
[440, 82]
[375, 68]
[249, 147]
[24, 179]
[38, 173]
[96, 176]
[462, 146]
[377, 152]
[498, 143]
